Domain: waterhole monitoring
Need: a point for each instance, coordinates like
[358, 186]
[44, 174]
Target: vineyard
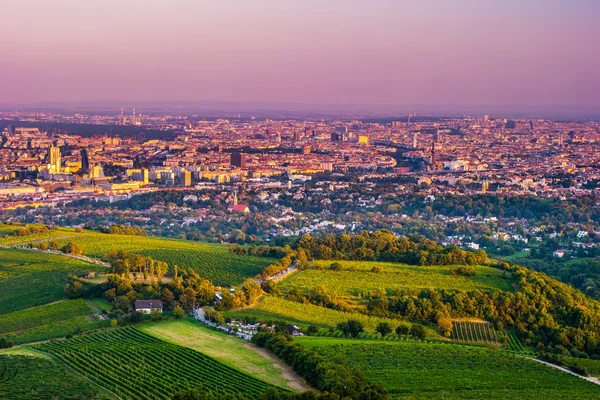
[224, 348]
[137, 366]
[211, 261]
[418, 370]
[276, 308]
[474, 331]
[29, 278]
[357, 278]
[48, 321]
[42, 378]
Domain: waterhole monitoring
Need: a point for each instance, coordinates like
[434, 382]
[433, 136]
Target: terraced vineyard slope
[138, 366]
[418, 370]
[31, 278]
[211, 261]
[33, 376]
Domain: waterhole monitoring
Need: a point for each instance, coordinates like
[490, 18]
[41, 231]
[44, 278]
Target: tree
[417, 331]
[402, 329]
[351, 328]
[252, 290]
[73, 248]
[168, 298]
[156, 315]
[384, 328]
[445, 326]
[178, 312]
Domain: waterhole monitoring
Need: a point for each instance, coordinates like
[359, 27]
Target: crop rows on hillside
[137, 366]
[30, 278]
[474, 331]
[211, 261]
[37, 378]
[419, 370]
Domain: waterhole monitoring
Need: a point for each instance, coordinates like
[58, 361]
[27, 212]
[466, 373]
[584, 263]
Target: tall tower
[415, 140]
[484, 186]
[432, 159]
[133, 118]
[54, 158]
[408, 119]
[122, 117]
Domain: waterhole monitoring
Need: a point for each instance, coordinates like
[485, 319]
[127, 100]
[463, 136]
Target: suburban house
[147, 306]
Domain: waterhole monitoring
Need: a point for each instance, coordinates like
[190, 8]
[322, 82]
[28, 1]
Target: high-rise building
[308, 132]
[85, 161]
[297, 136]
[54, 158]
[415, 140]
[432, 157]
[238, 160]
[187, 178]
[511, 124]
[408, 119]
[486, 118]
[335, 137]
[306, 149]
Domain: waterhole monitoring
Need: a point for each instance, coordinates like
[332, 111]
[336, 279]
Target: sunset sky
[311, 51]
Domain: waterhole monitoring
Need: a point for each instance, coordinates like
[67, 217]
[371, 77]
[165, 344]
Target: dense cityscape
[299, 200]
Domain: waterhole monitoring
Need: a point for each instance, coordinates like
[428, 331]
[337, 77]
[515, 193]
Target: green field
[276, 308]
[356, 278]
[417, 370]
[48, 321]
[39, 377]
[474, 331]
[135, 365]
[211, 261]
[227, 349]
[30, 278]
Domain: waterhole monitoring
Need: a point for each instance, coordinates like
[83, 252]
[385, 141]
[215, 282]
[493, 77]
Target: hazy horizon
[529, 53]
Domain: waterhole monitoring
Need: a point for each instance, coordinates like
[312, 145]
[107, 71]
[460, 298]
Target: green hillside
[357, 277]
[226, 349]
[37, 376]
[48, 321]
[138, 366]
[417, 370]
[31, 278]
[211, 261]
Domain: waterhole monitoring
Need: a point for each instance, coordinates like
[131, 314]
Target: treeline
[385, 246]
[334, 380]
[123, 230]
[583, 274]
[31, 230]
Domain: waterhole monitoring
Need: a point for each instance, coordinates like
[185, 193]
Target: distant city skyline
[432, 53]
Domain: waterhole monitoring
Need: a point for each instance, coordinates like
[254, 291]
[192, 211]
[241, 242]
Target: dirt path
[587, 378]
[294, 380]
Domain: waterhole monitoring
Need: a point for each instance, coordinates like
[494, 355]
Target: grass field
[47, 321]
[417, 370]
[138, 366]
[275, 308]
[210, 261]
[30, 278]
[227, 349]
[356, 278]
[39, 377]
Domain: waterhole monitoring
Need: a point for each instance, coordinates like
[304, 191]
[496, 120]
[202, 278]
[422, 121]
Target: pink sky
[311, 51]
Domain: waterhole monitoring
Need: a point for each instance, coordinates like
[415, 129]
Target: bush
[178, 312]
[465, 270]
[5, 343]
[418, 331]
[402, 329]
